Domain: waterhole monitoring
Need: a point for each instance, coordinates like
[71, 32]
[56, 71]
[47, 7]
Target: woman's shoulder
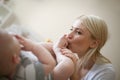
[102, 67]
[101, 71]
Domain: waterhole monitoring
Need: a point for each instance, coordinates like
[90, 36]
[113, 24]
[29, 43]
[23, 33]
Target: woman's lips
[68, 46]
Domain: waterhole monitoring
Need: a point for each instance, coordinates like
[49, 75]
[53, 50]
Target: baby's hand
[26, 43]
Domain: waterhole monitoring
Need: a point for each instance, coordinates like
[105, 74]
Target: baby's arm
[65, 66]
[40, 52]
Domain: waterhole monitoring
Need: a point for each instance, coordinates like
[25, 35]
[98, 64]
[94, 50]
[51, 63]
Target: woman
[88, 35]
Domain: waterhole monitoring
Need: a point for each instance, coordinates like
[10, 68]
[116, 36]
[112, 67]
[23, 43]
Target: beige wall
[52, 18]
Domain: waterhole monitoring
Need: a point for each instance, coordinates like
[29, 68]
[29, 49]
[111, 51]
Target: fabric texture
[29, 70]
[101, 72]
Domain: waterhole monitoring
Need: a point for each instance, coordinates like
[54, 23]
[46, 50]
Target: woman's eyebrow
[80, 29]
[72, 27]
[77, 28]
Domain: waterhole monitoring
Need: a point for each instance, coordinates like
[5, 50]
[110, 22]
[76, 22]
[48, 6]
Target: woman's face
[79, 39]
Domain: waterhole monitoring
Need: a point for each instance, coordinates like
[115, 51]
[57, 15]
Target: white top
[101, 72]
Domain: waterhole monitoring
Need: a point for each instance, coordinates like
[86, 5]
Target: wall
[52, 18]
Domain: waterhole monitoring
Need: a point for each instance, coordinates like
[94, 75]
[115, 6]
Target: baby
[65, 65]
[14, 67]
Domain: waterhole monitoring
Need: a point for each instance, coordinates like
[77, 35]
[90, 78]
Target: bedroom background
[48, 19]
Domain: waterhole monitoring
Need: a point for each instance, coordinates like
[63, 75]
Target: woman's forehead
[77, 23]
[79, 26]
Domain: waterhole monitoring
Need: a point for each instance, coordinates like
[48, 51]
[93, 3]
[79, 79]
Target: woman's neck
[87, 67]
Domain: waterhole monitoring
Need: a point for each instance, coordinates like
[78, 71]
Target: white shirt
[101, 72]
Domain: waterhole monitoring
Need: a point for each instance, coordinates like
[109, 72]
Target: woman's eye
[71, 29]
[78, 32]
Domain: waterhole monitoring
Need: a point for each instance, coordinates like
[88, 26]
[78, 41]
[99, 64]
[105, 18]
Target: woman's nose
[70, 35]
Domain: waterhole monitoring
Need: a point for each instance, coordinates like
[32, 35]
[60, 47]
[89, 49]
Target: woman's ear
[15, 59]
[94, 43]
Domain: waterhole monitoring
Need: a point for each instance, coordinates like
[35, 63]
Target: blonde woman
[88, 35]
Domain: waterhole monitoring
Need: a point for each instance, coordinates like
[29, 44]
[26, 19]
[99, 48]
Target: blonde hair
[98, 29]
